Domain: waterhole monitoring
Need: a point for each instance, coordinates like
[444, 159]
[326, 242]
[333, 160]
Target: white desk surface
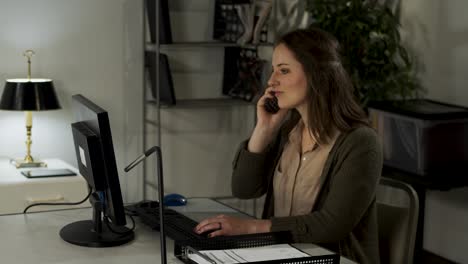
[34, 238]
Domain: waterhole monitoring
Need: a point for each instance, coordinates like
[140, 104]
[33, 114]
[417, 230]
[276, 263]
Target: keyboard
[176, 225]
[180, 228]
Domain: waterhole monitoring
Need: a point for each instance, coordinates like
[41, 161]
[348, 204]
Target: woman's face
[288, 79]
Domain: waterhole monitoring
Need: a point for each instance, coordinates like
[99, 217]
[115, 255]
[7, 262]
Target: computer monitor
[96, 162]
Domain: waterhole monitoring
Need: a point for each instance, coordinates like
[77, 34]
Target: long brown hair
[331, 103]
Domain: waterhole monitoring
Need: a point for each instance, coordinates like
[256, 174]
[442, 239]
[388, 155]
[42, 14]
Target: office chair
[397, 211]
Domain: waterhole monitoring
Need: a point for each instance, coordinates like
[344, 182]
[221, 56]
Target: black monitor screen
[96, 161]
[97, 120]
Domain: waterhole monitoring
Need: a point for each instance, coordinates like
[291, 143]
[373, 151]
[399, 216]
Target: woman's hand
[223, 225]
[265, 119]
[267, 124]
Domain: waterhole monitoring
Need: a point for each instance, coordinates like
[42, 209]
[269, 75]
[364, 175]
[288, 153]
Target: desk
[17, 191]
[34, 238]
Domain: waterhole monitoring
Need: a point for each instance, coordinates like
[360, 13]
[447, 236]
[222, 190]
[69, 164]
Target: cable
[80, 202]
[106, 220]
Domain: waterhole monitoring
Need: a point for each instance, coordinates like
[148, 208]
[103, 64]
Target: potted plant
[379, 65]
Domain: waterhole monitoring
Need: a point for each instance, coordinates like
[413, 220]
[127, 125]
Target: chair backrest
[397, 210]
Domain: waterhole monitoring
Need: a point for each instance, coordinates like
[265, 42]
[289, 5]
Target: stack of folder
[255, 248]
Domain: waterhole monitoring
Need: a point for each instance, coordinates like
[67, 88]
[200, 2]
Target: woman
[316, 159]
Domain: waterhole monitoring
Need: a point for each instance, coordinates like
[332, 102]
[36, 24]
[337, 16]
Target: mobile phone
[41, 173]
[271, 105]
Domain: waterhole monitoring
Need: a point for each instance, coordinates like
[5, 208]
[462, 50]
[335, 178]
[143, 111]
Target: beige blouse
[296, 182]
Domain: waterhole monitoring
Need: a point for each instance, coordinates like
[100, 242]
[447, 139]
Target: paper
[243, 255]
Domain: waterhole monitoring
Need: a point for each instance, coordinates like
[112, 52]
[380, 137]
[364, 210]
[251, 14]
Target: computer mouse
[174, 199]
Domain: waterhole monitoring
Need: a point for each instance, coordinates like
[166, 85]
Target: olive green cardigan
[344, 217]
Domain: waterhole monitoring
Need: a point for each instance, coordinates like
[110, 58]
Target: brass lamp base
[21, 163]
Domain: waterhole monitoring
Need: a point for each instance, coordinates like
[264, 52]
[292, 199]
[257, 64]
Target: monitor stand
[92, 233]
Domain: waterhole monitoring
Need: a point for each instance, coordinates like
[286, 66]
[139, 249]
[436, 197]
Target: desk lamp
[162, 235]
[29, 95]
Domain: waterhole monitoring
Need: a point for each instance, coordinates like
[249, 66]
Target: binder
[182, 249]
[166, 85]
[165, 32]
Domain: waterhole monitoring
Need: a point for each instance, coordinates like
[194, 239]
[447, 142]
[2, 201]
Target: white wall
[86, 47]
[438, 31]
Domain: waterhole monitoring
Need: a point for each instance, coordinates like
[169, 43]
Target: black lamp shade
[29, 95]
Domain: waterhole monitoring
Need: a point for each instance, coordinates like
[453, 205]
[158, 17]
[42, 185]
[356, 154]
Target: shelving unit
[234, 114]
